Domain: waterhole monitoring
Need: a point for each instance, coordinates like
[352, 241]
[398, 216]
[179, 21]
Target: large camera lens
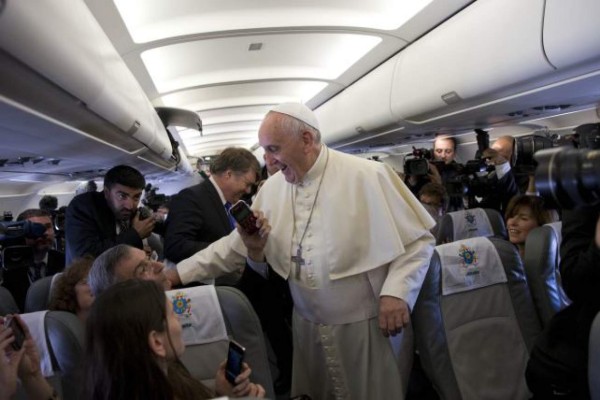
[569, 177]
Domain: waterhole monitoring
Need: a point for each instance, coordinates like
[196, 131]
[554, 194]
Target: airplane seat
[8, 305]
[474, 321]
[474, 222]
[594, 359]
[243, 326]
[59, 337]
[66, 335]
[541, 262]
[39, 293]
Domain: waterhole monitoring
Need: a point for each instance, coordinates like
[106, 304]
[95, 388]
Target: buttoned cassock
[368, 236]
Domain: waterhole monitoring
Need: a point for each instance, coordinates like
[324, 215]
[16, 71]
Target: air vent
[255, 46]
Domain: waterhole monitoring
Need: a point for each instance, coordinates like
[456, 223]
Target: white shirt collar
[214, 183]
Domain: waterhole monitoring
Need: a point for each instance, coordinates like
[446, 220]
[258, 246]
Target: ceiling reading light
[255, 46]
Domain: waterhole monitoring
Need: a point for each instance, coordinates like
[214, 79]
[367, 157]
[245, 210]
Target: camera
[525, 148]
[418, 165]
[569, 178]
[152, 199]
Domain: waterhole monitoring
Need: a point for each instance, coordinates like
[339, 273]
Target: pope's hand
[256, 242]
[393, 315]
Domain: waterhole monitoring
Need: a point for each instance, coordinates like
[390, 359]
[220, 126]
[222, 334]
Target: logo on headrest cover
[468, 259]
[471, 222]
[182, 305]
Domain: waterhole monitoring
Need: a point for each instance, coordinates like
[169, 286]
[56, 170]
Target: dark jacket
[196, 219]
[91, 228]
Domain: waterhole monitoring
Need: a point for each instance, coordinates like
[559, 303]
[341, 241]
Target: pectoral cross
[298, 260]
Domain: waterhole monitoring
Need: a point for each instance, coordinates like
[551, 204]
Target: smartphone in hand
[17, 330]
[235, 358]
[244, 216]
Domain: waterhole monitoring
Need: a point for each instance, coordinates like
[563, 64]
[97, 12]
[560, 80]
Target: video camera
[418, 163]
[569, 177]
[152, 199]
[15, 254]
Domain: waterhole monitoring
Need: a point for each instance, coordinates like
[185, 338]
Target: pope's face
[284, 150]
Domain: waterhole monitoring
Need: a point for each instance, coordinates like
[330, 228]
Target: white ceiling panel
[232, 60]
[150, 20]
[237, 95]
[322, 56]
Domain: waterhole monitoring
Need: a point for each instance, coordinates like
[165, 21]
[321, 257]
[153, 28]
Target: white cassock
[368, 236]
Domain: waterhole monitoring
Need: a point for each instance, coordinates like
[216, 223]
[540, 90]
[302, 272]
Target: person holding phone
[20, 359]
[142, 360]
[354, 245]
[96, 221]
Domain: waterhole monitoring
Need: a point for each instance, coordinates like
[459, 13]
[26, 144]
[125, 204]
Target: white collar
[214, 183]
[317, 168]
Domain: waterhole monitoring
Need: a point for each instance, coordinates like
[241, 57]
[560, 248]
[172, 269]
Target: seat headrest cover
[36, 323]
[199, 313]
[298, 111]
[469, 264]
[471, 223]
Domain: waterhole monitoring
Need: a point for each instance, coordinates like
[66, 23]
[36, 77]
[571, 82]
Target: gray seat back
[64, 337]
[594, 359]
[474, 342]
[244, 327]
[541, 262]
[8, 305]
[474, 223]
[39, 293]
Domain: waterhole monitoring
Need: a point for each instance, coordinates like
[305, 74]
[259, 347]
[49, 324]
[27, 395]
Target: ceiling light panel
[234, 114]
[150, 20]
[222, 128]
[292, 56]
[258, 94]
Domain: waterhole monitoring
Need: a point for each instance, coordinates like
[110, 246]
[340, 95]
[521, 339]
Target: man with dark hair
[47, 261]
[198, 215]
[48, 203]
[96, 221]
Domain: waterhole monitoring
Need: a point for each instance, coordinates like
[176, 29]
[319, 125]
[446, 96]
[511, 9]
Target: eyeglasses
[142, 269]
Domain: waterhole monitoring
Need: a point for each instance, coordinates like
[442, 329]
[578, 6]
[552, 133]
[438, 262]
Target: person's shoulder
[85, 199]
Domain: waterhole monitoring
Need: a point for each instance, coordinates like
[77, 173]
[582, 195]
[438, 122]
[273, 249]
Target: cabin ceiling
[231, 60]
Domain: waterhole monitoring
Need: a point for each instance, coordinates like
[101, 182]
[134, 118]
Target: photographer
[441, 169]
[558, 364]
[501, 184]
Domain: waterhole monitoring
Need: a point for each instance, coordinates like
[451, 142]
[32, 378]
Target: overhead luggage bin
[489, 46]
[571, 36]
[62, 42]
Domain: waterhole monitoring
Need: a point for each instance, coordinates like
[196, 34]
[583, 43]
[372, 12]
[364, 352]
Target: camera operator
[442, 169]
[47, 261]
[558, 365]
[444, 150]
[501, 181]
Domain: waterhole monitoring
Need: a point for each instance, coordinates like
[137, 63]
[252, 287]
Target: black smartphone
[244, 216]
[17, 330]
[235, 358]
